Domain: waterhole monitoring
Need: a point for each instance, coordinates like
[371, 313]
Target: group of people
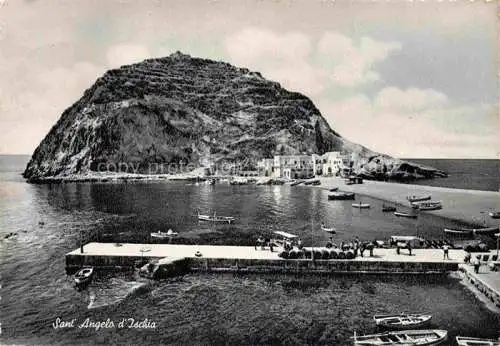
[354, 245]
[288, 244]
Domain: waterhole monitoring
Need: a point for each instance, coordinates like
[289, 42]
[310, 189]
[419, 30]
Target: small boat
[361, 205]
[430, 205]
[466, 341]
[458, 232]
[471, 231]
[486, 230]
[334, 189]
[402, 321]
[494, 214]
[162, 235]
[84, 275]
[418, 198]
[406, 338]
[331, 230]
[216, 218]
[210, 181]
[341, 196]
[386, 208]
[313, 182]
[296, 182]
[403, 214]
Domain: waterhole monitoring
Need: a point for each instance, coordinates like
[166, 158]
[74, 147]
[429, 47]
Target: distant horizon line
[400, 158]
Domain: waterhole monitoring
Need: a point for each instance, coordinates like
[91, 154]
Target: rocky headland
[191, 113]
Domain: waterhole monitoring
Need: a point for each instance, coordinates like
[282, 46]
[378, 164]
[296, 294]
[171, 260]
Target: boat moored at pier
[84, 276]
[163, 235]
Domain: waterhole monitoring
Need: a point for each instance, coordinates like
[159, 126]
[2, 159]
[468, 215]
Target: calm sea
[464, 174]
[203, 308]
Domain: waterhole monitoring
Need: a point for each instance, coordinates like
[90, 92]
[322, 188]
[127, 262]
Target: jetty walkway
[226, 258]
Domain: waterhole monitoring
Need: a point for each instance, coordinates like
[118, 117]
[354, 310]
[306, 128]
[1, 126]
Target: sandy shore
[468, 206]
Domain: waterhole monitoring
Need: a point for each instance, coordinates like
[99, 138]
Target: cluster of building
[305, 166]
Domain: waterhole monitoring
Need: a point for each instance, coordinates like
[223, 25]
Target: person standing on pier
[477, 264]
[445, 251]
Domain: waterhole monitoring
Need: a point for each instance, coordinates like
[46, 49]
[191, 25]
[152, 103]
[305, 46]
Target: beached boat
[361, 205]
[341, 196]
[402, 321]
[330, 230]
[84, 276]
[466, 341]
[430, 205]
[470, 231]
[418, 198]
[406, 338]
[215, 218]
[494, 214]
[403, 214]
[387, 208]
[162, 235]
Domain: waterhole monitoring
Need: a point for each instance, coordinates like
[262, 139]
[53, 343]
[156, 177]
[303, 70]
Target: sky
[413, 79]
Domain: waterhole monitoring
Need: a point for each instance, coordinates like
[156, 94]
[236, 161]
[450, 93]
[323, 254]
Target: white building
[331, 163]
[303, 166]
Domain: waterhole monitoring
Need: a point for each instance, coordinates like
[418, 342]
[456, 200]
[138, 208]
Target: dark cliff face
[181, 109]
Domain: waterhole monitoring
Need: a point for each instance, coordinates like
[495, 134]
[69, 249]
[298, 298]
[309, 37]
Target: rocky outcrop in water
[180, 113]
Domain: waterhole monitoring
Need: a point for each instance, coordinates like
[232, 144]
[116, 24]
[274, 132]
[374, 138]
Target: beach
[467, 206]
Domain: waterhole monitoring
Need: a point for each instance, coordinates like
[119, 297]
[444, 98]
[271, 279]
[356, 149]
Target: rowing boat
[84, 276]
[429, 205]
[458, 232]
[494, 214]
[403, 214]
[163, 235]
[418, 198]
[409, 337]
[402, 321]
[466, 341]
[341, 196]
[216, 218]
[361, 205]
[328, 229]
[471, 231]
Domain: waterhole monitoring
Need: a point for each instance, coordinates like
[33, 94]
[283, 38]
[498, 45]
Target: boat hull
[412, 199]
[403, 321]
[329, 230]
[400, 214]
[404, 338]
[360, 205]
[466, 341]
[341, 196]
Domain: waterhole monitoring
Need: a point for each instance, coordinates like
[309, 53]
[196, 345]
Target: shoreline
[470, 207]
